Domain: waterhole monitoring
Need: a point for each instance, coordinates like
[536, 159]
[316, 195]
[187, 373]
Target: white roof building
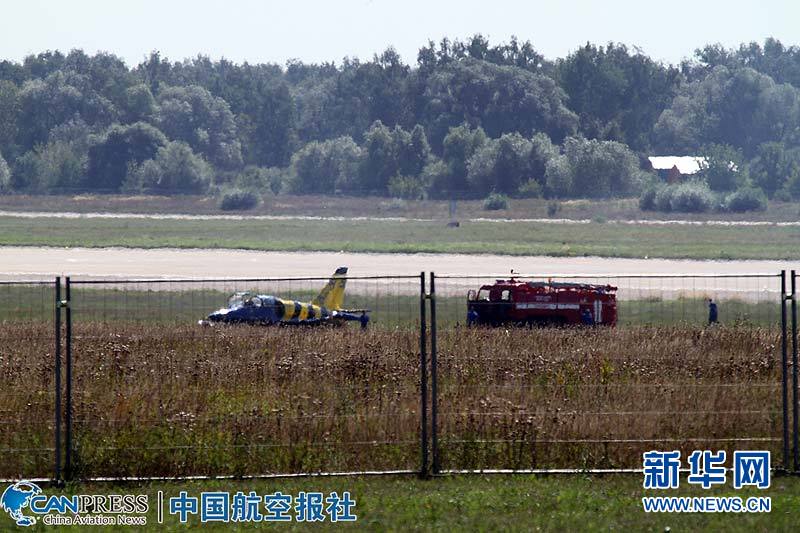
[686, 164]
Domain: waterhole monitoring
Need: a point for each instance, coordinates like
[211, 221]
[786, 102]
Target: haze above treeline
[470, 117]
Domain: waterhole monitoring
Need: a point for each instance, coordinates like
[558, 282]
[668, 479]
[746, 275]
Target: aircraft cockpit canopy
[239, 299]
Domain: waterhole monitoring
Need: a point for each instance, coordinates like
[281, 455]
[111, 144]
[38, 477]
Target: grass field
[484, 503]
[510, 238]
[186, 400]
[361, 206]
[391, 305]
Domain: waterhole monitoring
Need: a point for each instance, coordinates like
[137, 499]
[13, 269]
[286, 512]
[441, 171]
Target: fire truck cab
[542, 303]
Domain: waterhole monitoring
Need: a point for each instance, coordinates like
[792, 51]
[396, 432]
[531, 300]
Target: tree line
[469, 118]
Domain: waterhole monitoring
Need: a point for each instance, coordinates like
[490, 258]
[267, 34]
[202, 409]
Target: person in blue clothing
[586, 317]
[472, 318]
[712, 312]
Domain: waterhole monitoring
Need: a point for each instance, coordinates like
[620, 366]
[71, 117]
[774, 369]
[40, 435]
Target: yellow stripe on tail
[332, 295]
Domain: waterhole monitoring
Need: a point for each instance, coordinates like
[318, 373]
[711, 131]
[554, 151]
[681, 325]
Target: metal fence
[115, 379]
[30, 365]
[155, 394]
[543, 399]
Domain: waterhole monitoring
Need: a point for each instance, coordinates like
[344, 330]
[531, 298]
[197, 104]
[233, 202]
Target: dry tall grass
[186, 400]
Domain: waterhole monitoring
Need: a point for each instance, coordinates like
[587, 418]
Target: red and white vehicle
[538, 302]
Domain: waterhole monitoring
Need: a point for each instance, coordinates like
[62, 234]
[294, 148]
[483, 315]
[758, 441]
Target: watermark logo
[252, 507]
[208, 507]
[706, 469]
[74, 510]
[16, 498]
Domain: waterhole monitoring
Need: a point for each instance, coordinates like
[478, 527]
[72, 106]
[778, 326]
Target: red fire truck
[542, 302]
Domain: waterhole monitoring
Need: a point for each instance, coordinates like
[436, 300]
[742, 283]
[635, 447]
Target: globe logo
[16, 498]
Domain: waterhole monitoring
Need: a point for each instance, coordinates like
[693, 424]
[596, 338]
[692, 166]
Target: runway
[707, 278]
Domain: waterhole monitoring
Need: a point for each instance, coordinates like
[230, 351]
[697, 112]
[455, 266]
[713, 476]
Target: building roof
[686, 164]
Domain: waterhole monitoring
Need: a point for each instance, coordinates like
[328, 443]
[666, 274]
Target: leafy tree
[5, 175]
[12, 72]
[692, 196]
[542, 150]
[119, 147]
[9, 110]
[60, 165]
[380, 158]
[25, 173]
[102, 74]
[141, 176]
[413, 151]
[498, 98]
[273, 136]
[594, 169]
[723, 169]
[777, 61]
[325, 167]
[182, 170]
[154, 70]
[46, 103]
[500, 165]
[261, 179]
[346, 101]
[773, 166]
[139, 104]
[400, 118]
[176, 169]
[511, 164]
[438, 176]
[408, 187]
[205, 122]
[559, 176]
[618, 95]
[746, 199]
[738, 107]
[513, 53]
[460, 144]
[43, 64]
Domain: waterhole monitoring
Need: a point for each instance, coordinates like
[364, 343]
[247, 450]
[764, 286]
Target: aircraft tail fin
[332, 295]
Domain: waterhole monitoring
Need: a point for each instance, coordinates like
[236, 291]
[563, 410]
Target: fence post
[423, 379]
[784, 370]
[68, 406]
[434, 381]
[796, 452]
[57, 364]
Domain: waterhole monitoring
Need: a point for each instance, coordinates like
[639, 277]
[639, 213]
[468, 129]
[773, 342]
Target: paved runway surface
[28, 262]
[33, 262]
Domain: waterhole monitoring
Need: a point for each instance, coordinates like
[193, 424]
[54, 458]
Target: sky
[319, 30]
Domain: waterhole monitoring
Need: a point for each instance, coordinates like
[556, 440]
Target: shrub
[783, 195]
[407, 187]
[597, 169]
[395, 204]
[495, 202]
[647, 200]
[553, 208]
[176, 169]
[238, 200]
[662, 200]
[692, 197]
[530, 189]
[746, 199]
[5, 175]
[260, 179]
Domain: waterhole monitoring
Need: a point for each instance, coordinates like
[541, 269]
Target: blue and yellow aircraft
[260, 309]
